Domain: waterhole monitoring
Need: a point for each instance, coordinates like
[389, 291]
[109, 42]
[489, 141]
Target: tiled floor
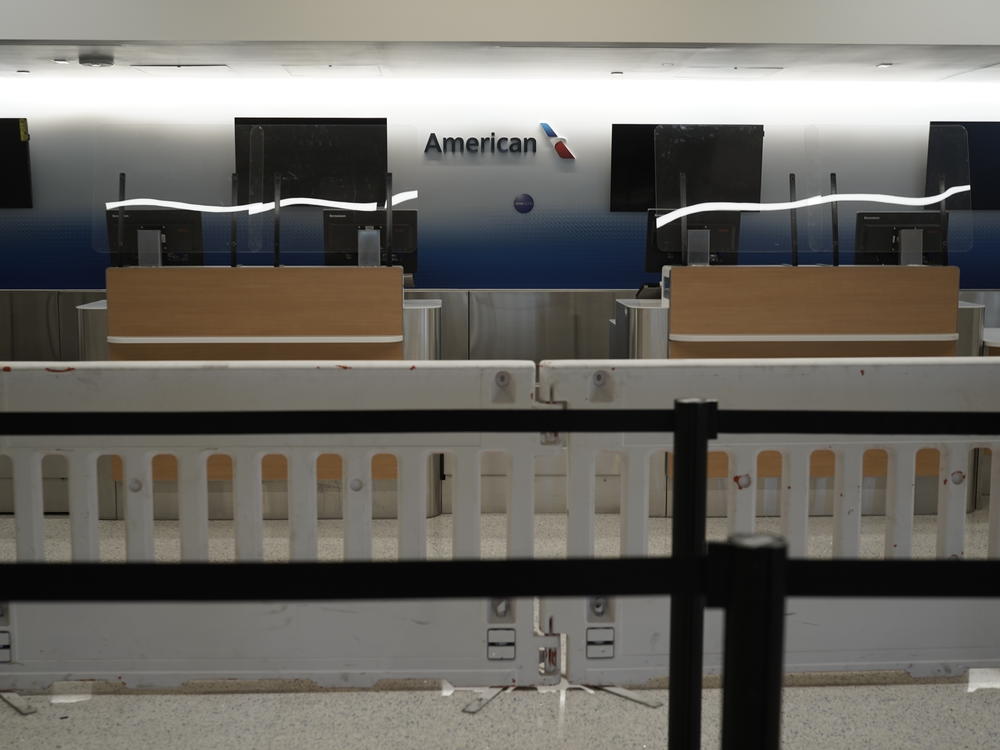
[938, 717]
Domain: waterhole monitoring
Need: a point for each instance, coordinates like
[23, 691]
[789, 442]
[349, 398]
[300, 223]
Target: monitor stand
[148, 245]
[911, 247]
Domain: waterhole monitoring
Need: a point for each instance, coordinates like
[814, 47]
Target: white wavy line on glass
[257, 208]
[816, 200]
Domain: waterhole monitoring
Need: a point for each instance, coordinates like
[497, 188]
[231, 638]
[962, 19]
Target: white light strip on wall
[816, 200]
[255, 339]
[260, 208]
[257, 208]
[157, 203]
[406, 195]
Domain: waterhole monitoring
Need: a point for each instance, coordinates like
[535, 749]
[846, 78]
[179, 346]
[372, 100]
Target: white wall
[678, 21]
[174, 138]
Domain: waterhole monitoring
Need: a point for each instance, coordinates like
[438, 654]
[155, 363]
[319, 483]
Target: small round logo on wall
[524, 203]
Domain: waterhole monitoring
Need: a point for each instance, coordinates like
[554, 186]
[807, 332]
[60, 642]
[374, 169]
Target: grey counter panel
[454, 319]
[69, 327]
[6, 327]
[35, 324]
[541, 324]
[988, 297]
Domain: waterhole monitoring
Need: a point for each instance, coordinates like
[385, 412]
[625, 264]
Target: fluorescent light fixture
[885, 65]
[183, 69]
[257, 208]
[60, 61]
[96, 59]
[334, 70]
[816, 200]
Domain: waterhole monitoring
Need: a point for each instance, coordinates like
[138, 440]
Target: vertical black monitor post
[834, 221]
[120, 235]
[793, 218]
[232, 225]
[387, 234]
[682, 203]
[277, 220]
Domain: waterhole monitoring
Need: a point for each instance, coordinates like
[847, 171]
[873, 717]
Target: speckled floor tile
[942, 717]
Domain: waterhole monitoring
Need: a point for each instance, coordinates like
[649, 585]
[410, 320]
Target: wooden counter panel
[813, 299]
[255, 301]
[767, 349]
[182, 352]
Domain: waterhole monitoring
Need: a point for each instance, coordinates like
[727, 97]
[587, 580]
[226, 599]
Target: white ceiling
[492, 60]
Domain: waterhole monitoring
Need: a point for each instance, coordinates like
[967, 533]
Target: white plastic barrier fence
[924, 638]
[460, 640]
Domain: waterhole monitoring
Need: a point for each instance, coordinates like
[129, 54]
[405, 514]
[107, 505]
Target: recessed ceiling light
[617, 72]
[884, 65]
[96, 60]
[60, 61]
[22, 71]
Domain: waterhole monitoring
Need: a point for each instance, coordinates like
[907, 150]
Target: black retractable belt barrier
[748, 577]
[694, 424]
[754, 650]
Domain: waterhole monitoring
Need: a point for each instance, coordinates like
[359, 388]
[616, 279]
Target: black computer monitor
[718, 162]
[340, 237]
[334, 158]
[880, 237]
[15, 187]
[177, 232]
[664, 246]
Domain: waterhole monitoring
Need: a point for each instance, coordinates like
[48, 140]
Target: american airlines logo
[493, 144]
[559, 144]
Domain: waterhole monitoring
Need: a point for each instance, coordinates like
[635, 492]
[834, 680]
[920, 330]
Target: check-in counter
[421, 329]
[991, 342]
[813, 311]
[255, 312]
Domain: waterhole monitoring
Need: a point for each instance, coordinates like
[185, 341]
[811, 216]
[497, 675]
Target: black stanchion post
[754, 650]
[694, 425]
